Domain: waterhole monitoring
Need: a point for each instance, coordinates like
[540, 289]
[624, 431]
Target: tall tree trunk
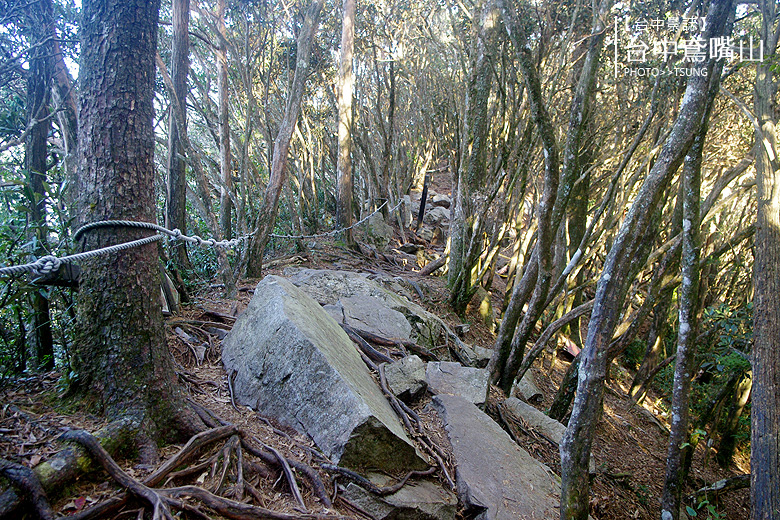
[120, 355]
[688, 321]
[510, 343]
[765, 410]
[344, 89]
[176, 208]
[267, 215]
[40, 21]
[613, 283]
[473, 165]
[225, 158]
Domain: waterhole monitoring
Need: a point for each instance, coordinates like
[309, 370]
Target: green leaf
[691, 511]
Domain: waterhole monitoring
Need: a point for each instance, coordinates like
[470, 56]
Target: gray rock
[437, 216]
[294, 363]
[447, 377]
[496, 478]
[475, 355]
[418, 500]
[371, 314]
[406, 377]
[443, 201]
[526, 389]
[536, 419]
[328, 287]
[377, 232]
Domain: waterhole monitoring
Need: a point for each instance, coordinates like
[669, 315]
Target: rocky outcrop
[291, 361]
[331, 287]
[446, 377]
[541, 423]
[496, 479]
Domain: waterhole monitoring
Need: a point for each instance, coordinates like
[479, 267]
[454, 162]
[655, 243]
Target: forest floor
[629, 450]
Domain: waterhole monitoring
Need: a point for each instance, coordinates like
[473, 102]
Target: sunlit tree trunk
[473, 165]
[267, 215]
[176, 208]
[613, 283]
[344, 89]
[225, 157]
[688, 302]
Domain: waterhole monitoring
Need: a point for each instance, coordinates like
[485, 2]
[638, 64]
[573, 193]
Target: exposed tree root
[722, 486]
[163, 500]
[64, 467]
[27, 482]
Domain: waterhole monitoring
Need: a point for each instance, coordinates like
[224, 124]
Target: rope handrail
[49, 263]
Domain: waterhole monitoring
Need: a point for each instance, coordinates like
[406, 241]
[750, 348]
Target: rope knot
[176, 234]
[46, 264]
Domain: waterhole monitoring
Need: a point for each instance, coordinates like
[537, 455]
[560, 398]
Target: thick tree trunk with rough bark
[267, 214]
[40, 22]
[765, 409]
[344, 90]
[613, 284]
[176, 208]
[120, 353]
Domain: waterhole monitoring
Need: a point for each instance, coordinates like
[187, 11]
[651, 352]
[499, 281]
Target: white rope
[50, 263]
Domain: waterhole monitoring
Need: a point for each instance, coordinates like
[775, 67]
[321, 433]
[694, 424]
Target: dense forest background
[607, 159]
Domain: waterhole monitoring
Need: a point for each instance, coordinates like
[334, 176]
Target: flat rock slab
[541, 422]
[447, 377]
[536, 419]
[293, 362]
[496, 478]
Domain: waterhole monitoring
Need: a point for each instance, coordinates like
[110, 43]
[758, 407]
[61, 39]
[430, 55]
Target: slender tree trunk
[176, 208]
[40, 21]
[120, 354]
[345, 88]
[688, 322]
[765, 409]
[225, 157]
[613, 283]
[728, 438]
[473, 164]
[267, 215]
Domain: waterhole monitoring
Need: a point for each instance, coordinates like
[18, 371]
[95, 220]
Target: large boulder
[448, 377]
[331, 287]
[496, 479]
[378, 233]
[294, 363]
